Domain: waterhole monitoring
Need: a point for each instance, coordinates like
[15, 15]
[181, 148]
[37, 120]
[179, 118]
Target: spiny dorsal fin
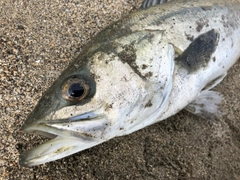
[199, 52]
[150, 3]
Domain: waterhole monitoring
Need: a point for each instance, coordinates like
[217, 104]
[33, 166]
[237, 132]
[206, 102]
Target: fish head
[85, 106]
[107, 91]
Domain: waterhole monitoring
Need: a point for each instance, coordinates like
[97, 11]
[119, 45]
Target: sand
[38, 39]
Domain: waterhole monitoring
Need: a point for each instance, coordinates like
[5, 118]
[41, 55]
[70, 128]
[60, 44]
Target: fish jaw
[68, 136]
[54, 149]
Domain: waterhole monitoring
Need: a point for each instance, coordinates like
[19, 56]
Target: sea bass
[138, 71]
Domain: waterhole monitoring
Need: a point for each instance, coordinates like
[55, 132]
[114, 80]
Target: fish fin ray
[207, 105]
[199, 52]
[150, 3]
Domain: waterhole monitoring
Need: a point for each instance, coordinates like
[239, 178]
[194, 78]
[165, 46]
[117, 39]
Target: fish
[142, 69]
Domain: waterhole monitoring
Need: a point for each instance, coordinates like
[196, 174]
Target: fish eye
[75, 89]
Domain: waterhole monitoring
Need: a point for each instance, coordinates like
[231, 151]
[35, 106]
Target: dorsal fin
[150, 3]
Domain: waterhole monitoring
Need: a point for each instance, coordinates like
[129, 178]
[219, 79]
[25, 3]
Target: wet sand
[38, 39]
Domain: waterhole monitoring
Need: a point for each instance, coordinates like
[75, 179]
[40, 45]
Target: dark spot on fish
[108, 106]
[223, 17]
[121, 129]
[214, 59]
[144, 66]
[92, 75]
[201, 23]
[145, 15]
[158, 23]
[128, 55]
[189, 37]
[199, 26]
[88, 135]
[173, 21]
[149, 104]
[125, 79]
[149, 74]
[141, 18]
[206, 8]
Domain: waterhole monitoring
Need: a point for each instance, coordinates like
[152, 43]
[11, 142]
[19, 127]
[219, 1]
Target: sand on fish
[38, 39]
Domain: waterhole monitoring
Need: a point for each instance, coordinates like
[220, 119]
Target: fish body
[138, 71]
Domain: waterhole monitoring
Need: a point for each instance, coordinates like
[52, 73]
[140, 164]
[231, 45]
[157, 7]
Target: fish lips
[68, 136]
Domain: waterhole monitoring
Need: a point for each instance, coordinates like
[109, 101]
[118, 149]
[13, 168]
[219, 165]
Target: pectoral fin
[199, 52]
[207, 105]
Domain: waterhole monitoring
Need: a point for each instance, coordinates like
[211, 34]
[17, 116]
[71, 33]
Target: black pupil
[76, 90]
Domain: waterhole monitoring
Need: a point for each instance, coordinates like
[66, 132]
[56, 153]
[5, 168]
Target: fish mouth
[64, 139]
